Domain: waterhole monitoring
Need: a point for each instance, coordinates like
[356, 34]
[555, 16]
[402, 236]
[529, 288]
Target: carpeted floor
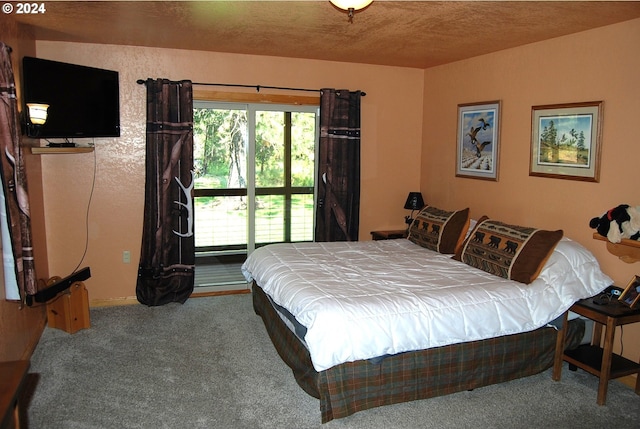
[210, 364]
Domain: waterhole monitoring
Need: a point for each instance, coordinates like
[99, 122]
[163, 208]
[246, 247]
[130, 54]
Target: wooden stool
[70, 310]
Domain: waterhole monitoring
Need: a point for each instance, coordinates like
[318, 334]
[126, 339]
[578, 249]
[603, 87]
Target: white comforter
[361, 300]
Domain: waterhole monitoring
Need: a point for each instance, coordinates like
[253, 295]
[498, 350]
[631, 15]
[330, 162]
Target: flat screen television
[83, 101]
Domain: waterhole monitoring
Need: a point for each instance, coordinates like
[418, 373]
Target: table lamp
[414, 202]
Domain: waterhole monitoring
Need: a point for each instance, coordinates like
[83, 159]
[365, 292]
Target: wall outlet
[126, 257]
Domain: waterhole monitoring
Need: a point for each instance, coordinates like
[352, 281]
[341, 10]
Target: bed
[451, 308]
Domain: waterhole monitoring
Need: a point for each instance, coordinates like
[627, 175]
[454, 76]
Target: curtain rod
[257, 87]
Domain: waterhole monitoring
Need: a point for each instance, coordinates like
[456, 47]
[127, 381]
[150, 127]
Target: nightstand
[389, 235]
[13, 375]
[596, 358]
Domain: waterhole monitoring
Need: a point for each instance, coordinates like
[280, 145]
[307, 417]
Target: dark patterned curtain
[166, 270]
[338, 211]
[14, 186]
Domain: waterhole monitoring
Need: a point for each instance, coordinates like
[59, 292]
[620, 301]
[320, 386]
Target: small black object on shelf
[63, 144]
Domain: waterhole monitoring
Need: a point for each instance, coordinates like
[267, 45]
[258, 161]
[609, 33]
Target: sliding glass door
[255, 168]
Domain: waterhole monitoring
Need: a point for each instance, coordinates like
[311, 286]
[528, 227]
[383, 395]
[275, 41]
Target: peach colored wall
[600, 64]
[391, 143]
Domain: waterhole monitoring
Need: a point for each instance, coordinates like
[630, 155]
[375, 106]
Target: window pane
[270, 219]
[302, 217]
[220, 221]
[219, 148]
[269, 149]
[303, 135]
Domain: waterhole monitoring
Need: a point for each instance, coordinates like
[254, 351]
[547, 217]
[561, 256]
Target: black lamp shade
[414, 201]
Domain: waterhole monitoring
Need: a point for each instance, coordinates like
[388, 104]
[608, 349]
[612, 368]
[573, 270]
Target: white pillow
[571, 257]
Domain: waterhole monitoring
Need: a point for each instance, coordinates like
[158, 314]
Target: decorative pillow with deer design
[439, 230]
[510, 251]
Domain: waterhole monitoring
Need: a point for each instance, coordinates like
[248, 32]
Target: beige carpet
[209, 364]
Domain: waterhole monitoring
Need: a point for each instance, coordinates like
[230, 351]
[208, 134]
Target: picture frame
[566, 141]
[478, 144]
[631, 295]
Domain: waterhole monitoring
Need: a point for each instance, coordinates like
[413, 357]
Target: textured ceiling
[400, 33]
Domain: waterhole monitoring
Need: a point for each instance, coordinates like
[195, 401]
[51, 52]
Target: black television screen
[83, 101]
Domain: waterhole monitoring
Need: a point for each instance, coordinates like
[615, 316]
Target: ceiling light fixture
[351, 6]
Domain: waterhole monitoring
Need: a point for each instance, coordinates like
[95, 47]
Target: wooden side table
[12, 377]
[389, 234]
[596, 358]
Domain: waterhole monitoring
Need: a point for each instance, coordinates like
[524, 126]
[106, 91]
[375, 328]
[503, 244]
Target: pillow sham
[510, 251]
[439, 230]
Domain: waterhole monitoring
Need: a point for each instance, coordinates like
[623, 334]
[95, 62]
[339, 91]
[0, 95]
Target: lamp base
[409, 219]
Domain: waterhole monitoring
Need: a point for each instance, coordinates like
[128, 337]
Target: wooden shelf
[43, 150]
[627, 250]
[589, 358]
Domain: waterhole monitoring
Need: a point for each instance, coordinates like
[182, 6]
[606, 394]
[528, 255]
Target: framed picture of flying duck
[478, 140]
[566, 141]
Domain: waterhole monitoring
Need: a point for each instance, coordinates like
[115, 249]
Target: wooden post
[560, 344]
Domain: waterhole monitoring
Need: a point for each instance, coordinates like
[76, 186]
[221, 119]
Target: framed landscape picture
[478, 140]
[566, 141]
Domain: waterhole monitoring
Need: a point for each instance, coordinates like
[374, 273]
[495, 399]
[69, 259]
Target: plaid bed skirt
[355, 386]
